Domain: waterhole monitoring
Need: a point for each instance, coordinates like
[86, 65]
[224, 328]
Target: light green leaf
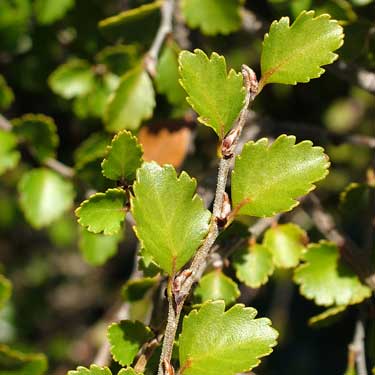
[214, 286]
[124, 157]
[171, 221]
[48, 11]
[134, 25]
[39, 132]
[267, 179]
[216, 342]
[213, 16]
[286, 243]
[98, 248]
[93, 370]
[293, 54]
[131, 103]
[74, 78]
[327, 315]
[168, 75]
[218, 97]
[9, 156]
[129, 371]
[126, 338]
[6, 94]
[136, 289]
[5, 290]
[92, 148]
[103, 212]
[44, 196]
[253, 265]
[13, 362]
[326, 279]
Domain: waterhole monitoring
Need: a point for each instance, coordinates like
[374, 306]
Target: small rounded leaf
[93, 370]
[267, 179]
[214, 341]
[9, 156]
[124, 157]
[44, 196]
[47, 11]
[326, 279]
[103, 212]
[5, 290]
[293, 54]
[6, 94]
[286, 243]
[215, 286]
[126, 338]
[253, 265]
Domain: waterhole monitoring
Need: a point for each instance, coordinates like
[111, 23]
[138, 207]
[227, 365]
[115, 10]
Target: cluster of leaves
[269, 177]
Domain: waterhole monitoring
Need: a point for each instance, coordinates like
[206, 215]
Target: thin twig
[357, 353]
[164, 30]
[51, 163]
[179, 288]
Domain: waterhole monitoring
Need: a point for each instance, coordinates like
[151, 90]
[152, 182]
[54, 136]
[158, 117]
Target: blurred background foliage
[61, 295]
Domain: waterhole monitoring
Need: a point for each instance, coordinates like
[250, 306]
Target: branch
[179, 287]
[357, 353]
[51, 163]
[164, 30]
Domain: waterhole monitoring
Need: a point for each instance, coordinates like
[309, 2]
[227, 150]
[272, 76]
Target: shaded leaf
[171, 221]
[295, 53]
[6, 94]
[9, 156]
[286, 243]
[327, 316]
[124, 157]
[72, 79]
[93, 370]
[103, 212]
[267, 179]
[39, 132]
[126, 338]
[5, 290]
[131, 103]
[326, 279]
[253, 265]
[13, 362]
[48, 11]
[216, 96]
[213, 16]
[216, 342]
[217, 286]
[44, 196]
[135, 290]
[98, 248]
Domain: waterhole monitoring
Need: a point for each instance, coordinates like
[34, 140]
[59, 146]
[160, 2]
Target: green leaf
[98, 248]
[216, 342]
[216, 96]
[5, 290]
[171, 221]
[253, 265]
[267, 179]
[293, 54]
[124, 157]
[136, 289]
[6, 94]
[39, 132]
[48, 11]
[213, 16]
[129, 371]
[94, 370]
[13, 362]
[103, 212]
[44, 196]
[9, 156]
[94, 103]
[217, 286]
[286, 243]
[326, 279]
[92, 148]
[168, 75]
[126, 338]
[74, 78]
[131, 103]
[326, 316]
[134, 25]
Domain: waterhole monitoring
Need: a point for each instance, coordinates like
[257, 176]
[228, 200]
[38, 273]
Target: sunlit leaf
[48, 11]
[9, 156]
[5, 290]
[93, 370]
